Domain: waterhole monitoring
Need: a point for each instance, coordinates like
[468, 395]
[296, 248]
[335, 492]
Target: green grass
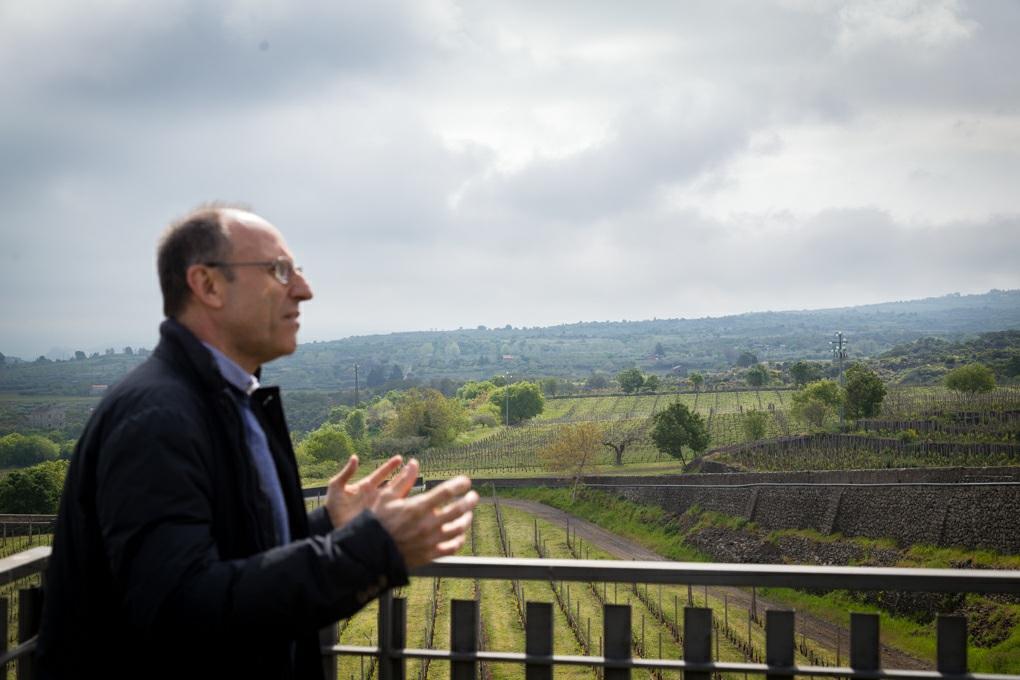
[661, 532]
[648, 525]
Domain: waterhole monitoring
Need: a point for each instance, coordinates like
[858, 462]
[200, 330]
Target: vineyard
[577, 608]
[514, 451]
[853, 452]
[918, 427]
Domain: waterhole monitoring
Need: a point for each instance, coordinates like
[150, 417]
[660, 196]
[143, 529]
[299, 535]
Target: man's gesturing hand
[428, 525]
[345, 501]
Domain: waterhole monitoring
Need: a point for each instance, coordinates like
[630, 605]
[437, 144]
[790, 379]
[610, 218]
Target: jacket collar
[179, 346]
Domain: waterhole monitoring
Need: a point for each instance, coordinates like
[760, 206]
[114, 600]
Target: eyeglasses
[282, 267]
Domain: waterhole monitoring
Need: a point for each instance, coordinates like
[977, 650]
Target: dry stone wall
[966, 507]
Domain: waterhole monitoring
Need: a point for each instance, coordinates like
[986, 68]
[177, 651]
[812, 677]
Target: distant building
[97, 389]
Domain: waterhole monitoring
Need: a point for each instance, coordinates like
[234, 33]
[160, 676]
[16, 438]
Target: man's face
[260, 314]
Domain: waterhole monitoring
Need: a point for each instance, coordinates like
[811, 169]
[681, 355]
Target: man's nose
[300, 288]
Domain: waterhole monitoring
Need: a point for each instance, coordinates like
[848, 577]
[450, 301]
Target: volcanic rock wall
[967, 507]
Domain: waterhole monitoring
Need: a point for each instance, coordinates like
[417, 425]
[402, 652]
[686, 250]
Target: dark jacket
[163, 561]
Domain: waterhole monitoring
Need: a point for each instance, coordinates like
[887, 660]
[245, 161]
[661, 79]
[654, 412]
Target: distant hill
[928, 359]
[575, 350]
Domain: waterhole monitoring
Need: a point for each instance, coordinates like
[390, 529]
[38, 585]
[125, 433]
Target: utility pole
[839, 354]
[357, 398]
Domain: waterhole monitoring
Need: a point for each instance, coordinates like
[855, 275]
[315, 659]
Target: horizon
[65, 352]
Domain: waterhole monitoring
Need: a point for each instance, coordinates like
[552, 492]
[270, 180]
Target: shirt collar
[232, 373]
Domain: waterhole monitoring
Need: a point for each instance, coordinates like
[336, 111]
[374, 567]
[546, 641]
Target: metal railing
[616, 661]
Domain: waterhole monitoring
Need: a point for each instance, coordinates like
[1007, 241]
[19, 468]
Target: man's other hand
[345, 501]
[428, 525]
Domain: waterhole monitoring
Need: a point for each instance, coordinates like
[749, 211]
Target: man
[182, 546]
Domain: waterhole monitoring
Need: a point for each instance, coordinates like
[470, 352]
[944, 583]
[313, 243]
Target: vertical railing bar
[398, 637]
[464, 637]
[29, 615]
[616, 636]
[697, 640]
[538, 640]
[951, 644]
[329, 636]
[384, 630]
[4, 604]
[864, 650]
[779, 642]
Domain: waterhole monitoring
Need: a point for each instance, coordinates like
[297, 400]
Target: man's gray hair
[196, 238]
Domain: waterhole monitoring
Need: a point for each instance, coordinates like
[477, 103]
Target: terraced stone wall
[967, 507]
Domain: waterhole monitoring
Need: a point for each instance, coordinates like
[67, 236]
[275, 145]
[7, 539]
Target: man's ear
[207, 285]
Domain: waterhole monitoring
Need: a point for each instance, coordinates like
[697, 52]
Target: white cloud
[911, 24]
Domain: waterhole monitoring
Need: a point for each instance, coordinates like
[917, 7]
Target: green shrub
[34, 490]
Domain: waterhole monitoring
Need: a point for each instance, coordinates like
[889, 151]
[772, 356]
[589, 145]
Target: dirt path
[823, 632]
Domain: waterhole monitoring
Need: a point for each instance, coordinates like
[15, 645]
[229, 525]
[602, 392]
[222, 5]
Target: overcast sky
[437, 164]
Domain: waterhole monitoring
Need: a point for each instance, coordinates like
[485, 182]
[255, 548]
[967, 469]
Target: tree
[660, 351]
[747, 359]
[812, 411]
[971, 378]
[697, 380]
[864, 392]
[471, 391]
[826, 391]
[518, 401]
[3, 359]
[817, 401]
[755, 424]
[549, 386]
[34, 490]
[79, 355]
[804, 372]
[757, 376]
[618, 437]
[630, 380]
[425, 412]
[329, 443]
[338, 414]
[396, 373]
[651, 384]
[597, 381]
[354, 423]
[128, 351]
[675, 427]
[572, 451]
[19, 450]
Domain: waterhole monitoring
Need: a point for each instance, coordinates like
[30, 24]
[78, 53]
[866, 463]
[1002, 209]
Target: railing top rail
[702, 573]
[34, 560]
[25, 563]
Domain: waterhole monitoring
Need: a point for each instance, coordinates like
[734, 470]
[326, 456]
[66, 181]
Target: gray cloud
[439, 165]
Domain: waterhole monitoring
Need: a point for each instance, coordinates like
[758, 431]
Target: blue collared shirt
[258, 445]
